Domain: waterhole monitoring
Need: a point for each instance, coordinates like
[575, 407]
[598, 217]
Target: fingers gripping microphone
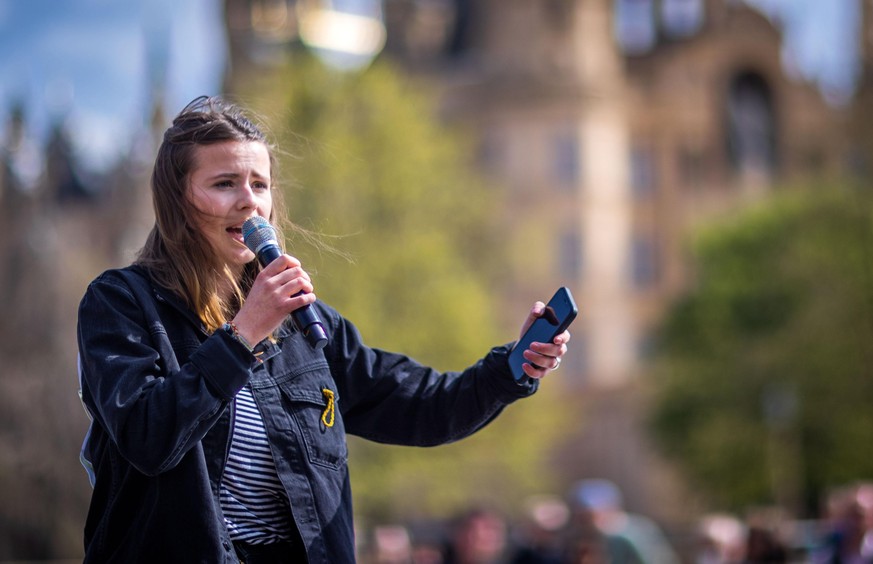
[260, 238]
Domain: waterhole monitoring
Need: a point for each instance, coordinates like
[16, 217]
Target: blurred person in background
[218, 433]
[864, 499]
[723, 540]
[479, 536]
[768, 535]
[848, 537]
[392, 545]
[540, 535]
[629, 538]
[428, 542]
[582, 542]
[764, 545]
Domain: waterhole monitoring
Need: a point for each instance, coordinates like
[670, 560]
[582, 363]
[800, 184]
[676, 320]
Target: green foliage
[772, 348]
[374, 172]
[371, 167]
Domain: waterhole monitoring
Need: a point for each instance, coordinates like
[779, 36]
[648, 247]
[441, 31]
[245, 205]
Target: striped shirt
[253, 500]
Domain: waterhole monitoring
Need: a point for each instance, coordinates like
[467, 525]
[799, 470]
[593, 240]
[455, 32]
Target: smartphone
[559, 314]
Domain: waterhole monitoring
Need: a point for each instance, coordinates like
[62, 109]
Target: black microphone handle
[268, 253]
[305, 318]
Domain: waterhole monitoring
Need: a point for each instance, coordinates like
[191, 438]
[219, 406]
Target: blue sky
[91, 61]
[821, 37]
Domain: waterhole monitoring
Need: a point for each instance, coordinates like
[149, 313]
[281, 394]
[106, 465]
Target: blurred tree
[58, 237]
[372, 171]
[765, 375]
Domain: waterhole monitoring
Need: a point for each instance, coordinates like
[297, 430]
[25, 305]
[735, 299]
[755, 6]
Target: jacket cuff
[225, 363]
[497, 364]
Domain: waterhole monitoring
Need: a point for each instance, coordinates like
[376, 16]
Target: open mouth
[235, 232]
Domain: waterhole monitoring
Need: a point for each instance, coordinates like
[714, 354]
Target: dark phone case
[543, 330]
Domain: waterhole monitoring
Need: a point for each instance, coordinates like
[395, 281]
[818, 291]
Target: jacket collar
[167, 296]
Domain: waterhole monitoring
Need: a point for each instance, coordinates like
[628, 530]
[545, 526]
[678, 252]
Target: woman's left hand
[542, 357]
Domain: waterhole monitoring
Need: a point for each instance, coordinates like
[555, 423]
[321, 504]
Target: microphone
[260, 238]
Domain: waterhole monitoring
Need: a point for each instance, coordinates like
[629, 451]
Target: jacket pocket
[312, 403]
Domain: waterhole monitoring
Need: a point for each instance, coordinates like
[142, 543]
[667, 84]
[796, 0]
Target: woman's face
[229, 183]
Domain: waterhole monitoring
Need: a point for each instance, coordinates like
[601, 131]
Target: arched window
[751, 125]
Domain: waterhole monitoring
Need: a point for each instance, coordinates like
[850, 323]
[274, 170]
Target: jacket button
[227, 545]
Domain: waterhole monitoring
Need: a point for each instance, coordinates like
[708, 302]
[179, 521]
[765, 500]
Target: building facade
[615, 128]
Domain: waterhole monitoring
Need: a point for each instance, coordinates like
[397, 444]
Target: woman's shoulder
[130, 280]
[328, 314]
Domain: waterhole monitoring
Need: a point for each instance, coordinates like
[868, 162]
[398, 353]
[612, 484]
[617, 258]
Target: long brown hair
[176, 254]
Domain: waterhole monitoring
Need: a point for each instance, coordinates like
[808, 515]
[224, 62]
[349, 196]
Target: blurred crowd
[843, 534]
[592, 526]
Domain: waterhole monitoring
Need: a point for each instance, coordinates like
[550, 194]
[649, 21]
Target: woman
[218, 433]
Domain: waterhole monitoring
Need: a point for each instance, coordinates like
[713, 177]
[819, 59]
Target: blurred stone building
[62, 225]
[614, 127]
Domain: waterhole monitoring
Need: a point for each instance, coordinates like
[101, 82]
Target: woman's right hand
[273, 296]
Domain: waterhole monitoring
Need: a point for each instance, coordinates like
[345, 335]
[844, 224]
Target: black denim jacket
[159, 389]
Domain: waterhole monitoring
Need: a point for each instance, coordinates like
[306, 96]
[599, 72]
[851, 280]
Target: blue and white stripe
[253, 500]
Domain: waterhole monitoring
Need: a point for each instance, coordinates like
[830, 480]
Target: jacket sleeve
[153, 410]
[391, 398]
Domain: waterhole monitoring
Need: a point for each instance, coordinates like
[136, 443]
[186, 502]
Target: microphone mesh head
[256, 232]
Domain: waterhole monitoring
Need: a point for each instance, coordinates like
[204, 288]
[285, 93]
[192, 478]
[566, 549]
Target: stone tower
[543, 84]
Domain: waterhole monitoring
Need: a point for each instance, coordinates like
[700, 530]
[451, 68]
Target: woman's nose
[247, 197]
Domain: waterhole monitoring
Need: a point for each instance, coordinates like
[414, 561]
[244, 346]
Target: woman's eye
[260, 186]
[224, 184]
